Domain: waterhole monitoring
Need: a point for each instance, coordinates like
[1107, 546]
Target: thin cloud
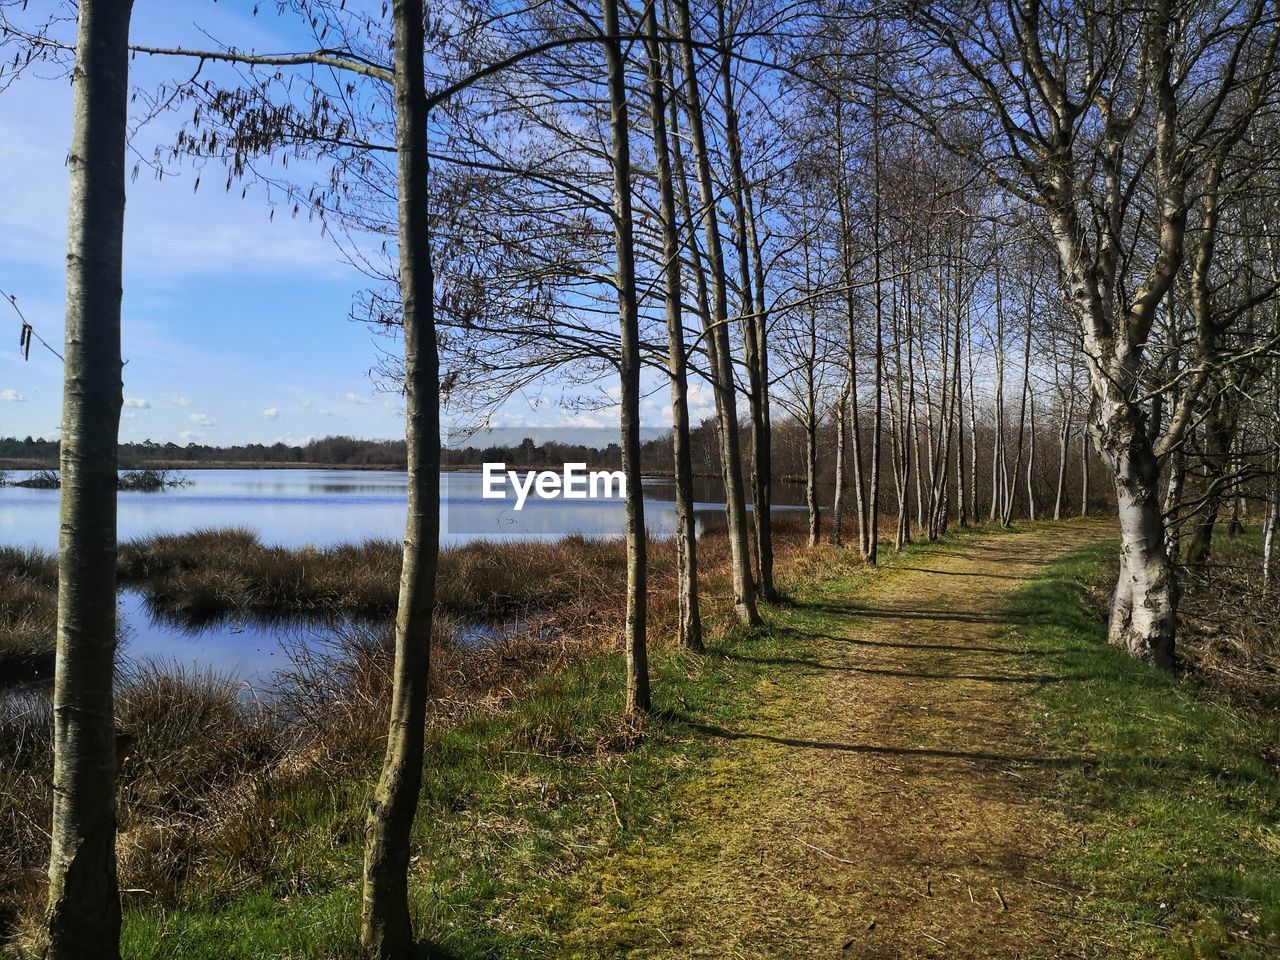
[181, 401]
[201, 419]
[271, 413]
[356, 398]
[12, 395]
[137, 404]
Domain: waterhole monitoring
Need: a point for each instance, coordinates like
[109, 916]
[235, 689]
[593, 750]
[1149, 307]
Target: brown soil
[887, 803]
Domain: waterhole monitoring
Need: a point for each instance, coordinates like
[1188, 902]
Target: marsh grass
[226, 798]
[28, 614]
[192, 739]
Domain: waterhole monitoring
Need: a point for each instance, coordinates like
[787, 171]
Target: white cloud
[137, 404]
[271, 413]
[201, 419]
[8, 393]
[235, 234]
[190, 436]
[356, 398]
[181, 401]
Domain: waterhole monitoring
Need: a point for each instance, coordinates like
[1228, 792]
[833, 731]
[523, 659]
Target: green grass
[1179, 799]
[515, 802]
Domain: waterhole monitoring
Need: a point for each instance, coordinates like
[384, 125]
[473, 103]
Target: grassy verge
[516, 801]
[521, 802]
[1179, 799]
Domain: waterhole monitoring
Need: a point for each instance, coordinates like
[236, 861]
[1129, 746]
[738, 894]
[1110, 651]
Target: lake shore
[197, 741]
[161, 464]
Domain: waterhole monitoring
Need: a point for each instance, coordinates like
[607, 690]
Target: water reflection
[295, 508]
[241, 647]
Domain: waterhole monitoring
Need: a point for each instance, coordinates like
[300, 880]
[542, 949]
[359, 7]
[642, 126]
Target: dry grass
[193, 739]
[28, 613]
[1230, 626]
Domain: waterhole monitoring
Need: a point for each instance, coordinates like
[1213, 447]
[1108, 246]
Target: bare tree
[84, 903]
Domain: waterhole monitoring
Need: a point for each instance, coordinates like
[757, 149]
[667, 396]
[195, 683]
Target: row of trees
[929, 235]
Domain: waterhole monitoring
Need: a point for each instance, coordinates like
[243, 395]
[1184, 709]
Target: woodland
[958, 269]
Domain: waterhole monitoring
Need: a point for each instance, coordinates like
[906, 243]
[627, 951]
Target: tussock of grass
[225, 801]
[1179, 799]
[28, 613]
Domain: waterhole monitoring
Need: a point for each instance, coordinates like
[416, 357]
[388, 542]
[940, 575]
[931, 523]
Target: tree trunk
[1031, 460]
[837, 501]
[811, 479]
[386, 927]
[1269, 532]
[744, 601]
[877, 428]
[1084, 472]
[1218, 434]
[973, 418]
[1064, 444]
[998, 471]
[764, 449]
[83, 919]
[1007, 518]
[638, 700]
[690, 626]
[1143, 616]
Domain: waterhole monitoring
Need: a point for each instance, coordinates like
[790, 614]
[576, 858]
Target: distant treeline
[343, 451]
[330, 451]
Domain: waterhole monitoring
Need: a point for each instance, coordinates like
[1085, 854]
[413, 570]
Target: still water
[295, 508]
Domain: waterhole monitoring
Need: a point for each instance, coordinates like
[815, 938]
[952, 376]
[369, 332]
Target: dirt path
[886, 805]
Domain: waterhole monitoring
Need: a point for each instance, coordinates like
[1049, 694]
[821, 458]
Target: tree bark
[638, 699]
[1143, 617]
[386, 926]
[1084, 472]
[871, 546]
[1031, 459]
[690, 626]
[764, 450]
[1219, 436]
[83, 919]
[837, 499]
[718, 350]
[753, 340]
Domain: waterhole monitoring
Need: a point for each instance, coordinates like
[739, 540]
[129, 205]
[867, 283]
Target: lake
[296, 508]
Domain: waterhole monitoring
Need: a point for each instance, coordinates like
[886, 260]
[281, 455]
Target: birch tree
[84, 903]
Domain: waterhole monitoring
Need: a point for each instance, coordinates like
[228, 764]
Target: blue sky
[236, 328]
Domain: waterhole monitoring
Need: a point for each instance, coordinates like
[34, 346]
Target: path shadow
[807, 662]
[966, 573]
[908, 645]
[976, 756]
[918, 613]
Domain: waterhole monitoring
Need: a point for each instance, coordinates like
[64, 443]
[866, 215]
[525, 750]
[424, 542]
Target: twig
[829, 856]
[614, 803]
[28, 331]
